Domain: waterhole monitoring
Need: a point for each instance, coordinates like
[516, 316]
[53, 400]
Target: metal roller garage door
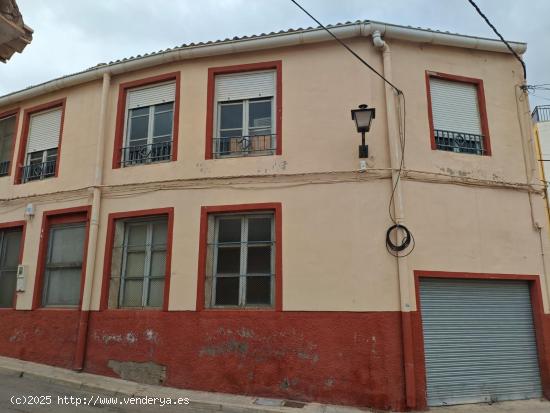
[479, 341]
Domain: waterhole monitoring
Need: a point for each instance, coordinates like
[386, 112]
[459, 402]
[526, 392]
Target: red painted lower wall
[338, 358]
[331, 357]
[42, 336]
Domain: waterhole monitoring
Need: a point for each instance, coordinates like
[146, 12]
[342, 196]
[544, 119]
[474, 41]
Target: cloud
[73, 35]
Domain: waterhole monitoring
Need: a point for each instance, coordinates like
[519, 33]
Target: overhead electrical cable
[472, 2]
[392, 248]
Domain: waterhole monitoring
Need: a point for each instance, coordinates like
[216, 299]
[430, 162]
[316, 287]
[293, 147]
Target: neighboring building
[541, 119]
[199, 217]
[15, 35]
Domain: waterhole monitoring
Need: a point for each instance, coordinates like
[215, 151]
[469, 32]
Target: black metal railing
[4, 168]
[254, 145]
[541, 114]
[459, 142]
[140, 154]
[38, 171]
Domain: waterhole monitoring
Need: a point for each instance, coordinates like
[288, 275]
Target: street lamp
[363, 118]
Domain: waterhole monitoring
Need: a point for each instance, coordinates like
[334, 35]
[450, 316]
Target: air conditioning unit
[21, 278]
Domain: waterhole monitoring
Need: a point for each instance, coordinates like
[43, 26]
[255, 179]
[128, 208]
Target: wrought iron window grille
[37, 171]
[460, 142]
[143, 154]
[251, 145]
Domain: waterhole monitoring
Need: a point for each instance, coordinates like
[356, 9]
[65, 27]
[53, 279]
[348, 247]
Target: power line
[500, 36]
[399, 92]
[404, 243]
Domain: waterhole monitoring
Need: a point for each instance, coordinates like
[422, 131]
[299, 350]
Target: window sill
[36, 180]
[132, 165]
[135, 309]
[239, 309]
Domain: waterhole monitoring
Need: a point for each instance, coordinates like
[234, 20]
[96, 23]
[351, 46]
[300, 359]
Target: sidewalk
[199, 400]
[220, 402]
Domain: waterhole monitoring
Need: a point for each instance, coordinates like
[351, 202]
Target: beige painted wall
[334, 224]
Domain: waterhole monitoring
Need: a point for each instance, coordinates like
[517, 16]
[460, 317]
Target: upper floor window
[10, 244]
[7, 137]
[458, 118]
[245, 104]
[42, 145]
[149, 124]
[244, 110]
[39, 148]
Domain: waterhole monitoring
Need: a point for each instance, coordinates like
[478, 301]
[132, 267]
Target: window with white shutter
[7, 137]
[42, 144]
[149, 124]
[456, 116]
[244, 114]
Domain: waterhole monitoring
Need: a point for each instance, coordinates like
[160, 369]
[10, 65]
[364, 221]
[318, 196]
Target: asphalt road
[16, 394]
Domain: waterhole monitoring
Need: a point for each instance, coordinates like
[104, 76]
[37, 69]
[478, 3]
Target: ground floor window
[138, 264]
[10, 244]
[241, 260]
[63, 267]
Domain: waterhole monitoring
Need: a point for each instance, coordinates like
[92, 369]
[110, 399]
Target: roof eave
[263, 42]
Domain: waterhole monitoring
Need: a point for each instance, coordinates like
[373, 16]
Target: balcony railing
[459, 142]
[255, 145]
[4, 168]
[38, 171]
[141, 154]
[541, 114]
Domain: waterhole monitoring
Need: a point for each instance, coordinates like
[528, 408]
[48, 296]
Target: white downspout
[394, 143]
[93, 229]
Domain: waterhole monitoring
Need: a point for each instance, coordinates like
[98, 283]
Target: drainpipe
[83, 324]
[394, 142]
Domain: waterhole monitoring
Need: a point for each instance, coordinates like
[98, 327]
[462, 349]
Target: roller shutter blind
[455, 106]
[245, 85]
[479, 341]
[44, 130]
[153, 95]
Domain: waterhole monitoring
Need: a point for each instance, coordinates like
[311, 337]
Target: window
[150, 124]
[39, 149]
[7, 137]
[147, 121]
[244, 110]
[245, 114]
[63, 267]
[139, 263]
[10, 246]
[241, 260]
[458, 119]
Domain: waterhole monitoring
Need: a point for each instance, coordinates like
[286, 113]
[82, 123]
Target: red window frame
[112, 219]
[25, 134]
[15, 225]
[251, 67]
[54, 217]
[481, 104]
[7, 114]
[274, 207]
[121, 112]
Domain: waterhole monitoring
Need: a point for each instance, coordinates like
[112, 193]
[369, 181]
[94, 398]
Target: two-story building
[199, 217]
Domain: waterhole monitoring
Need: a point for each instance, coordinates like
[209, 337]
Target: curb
[204, 401]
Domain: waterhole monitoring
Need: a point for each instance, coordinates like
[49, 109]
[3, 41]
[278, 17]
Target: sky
[72, 35]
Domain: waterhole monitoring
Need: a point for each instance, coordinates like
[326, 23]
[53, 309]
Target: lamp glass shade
[363, 118]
